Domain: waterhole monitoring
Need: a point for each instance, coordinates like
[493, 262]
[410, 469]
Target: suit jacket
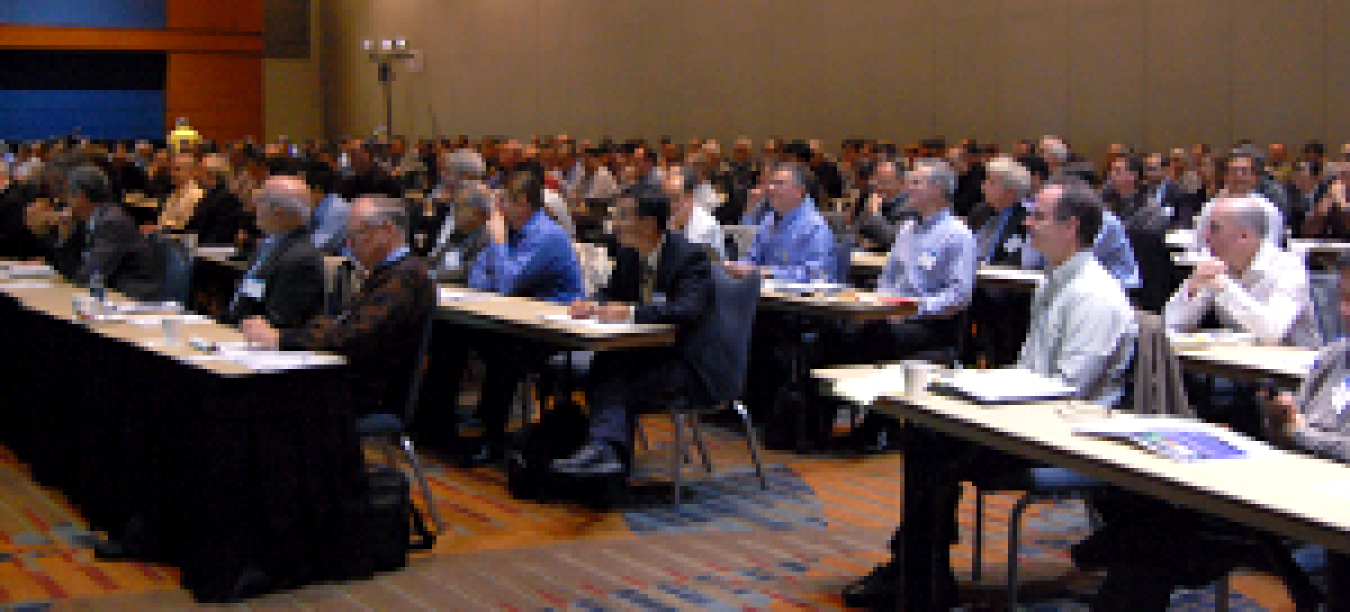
[113, 247]
[292, 284]
[379, 333]
[217, 218]
[1010, 243]
[682, 296]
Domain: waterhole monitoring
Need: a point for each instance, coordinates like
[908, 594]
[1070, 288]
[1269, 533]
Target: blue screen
[95, 113]
[91, 13]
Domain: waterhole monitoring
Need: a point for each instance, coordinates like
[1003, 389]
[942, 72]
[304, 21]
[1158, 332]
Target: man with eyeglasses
[1082, 333]
[380, 330]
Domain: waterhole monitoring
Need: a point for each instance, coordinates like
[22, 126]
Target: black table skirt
[226, 472]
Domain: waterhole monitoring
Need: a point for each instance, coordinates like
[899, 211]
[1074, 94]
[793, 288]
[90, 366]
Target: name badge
[658, 297]
[927, 260]
[452, 260]
[1341, 396]
[1013, 244]
[253, 288]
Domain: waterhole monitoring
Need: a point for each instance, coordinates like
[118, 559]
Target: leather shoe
[112, 550]
[593, 459]
[880, 589]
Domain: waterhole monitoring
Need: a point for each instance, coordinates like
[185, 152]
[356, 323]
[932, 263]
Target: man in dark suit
[284, 283]
[219, 215]
[1179, 205]
[381, 328]
[96, 238]
[660, 278]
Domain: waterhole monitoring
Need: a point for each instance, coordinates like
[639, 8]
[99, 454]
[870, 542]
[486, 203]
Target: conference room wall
[292, 102]
[1153, 73]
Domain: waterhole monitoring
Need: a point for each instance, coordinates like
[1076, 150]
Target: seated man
[932, 260]
[1082, 333]
[686, 217]
[219, 215]
[381, 329]
[660, 278]
[1112, 248]
[1194, 550]
[528, 255]
[284, 282]
[95, 240]
[793, 242]
[885, 206]
[1001, 315]
[463, 235]
[1251, 284]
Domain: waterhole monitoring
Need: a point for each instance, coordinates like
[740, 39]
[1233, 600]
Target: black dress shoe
[880, 589]
[112, 550]
[593, 459]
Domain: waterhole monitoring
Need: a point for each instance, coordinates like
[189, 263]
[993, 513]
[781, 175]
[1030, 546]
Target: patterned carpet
[820, 523]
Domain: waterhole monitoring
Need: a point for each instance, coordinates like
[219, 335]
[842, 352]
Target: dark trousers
[939, 463]
[506, 362]
[622, 383]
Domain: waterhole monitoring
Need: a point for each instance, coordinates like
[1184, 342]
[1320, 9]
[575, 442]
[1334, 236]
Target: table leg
[920, 538]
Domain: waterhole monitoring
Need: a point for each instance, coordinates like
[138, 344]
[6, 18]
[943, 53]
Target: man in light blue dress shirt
[1112, 249]
[794, 243]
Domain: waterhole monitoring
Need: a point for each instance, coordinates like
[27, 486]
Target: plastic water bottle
[97, 290]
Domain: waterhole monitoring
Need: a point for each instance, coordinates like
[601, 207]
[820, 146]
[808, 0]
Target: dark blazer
[1009, 245]
[116, 249]
[379, 333]
[880, 229]
[218, 217]
[292, 278]
[682, 297]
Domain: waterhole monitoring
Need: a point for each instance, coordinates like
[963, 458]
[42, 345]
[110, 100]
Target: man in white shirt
[1252, 285]
[690, 219]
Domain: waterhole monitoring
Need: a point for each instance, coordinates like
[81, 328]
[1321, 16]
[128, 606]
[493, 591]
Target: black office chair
[391, 430]
[735, 301]
[175, 262]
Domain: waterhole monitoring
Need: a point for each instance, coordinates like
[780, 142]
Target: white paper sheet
[865, 390]
[25, 285]
[591, 323]
[448, 294]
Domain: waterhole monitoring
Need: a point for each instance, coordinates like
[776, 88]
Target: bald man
[284, 283]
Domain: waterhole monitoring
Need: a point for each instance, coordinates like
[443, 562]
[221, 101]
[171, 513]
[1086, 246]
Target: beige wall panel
[1278, 67]
[1189, 90]
[292, 88]
[879, 79]
[1337, 75]
[727, 49]
[798, 58]
[1107, 74]
[558, 52]
[664, 83]
[966, 67]
[1034, 68]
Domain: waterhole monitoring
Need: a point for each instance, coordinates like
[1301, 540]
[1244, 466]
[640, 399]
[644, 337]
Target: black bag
[387, 521]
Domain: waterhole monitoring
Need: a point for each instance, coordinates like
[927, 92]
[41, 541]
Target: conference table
[1288, 493]
[223, 461]
[870, 265]
[1286, 365]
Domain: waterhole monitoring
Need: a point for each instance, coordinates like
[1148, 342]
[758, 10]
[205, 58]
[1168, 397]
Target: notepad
[1002, 386]
[592, 323]
[866, 389]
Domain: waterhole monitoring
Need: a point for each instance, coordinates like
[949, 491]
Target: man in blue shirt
[794, 243]
[528, 255]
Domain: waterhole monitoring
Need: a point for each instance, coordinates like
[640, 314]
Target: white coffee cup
[917, 376]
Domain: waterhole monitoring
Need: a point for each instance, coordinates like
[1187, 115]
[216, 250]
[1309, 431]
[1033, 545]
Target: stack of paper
[1002, 386]
[866, 389]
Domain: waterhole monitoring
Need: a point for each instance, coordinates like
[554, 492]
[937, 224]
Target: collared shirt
[1271, 300]
[796, 247]
[1111, 247]
[1322, 399]
[538, 261]
[1082, 330]
[702, 229]
[933, 260]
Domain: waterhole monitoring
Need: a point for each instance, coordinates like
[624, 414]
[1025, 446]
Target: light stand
[384, 53]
